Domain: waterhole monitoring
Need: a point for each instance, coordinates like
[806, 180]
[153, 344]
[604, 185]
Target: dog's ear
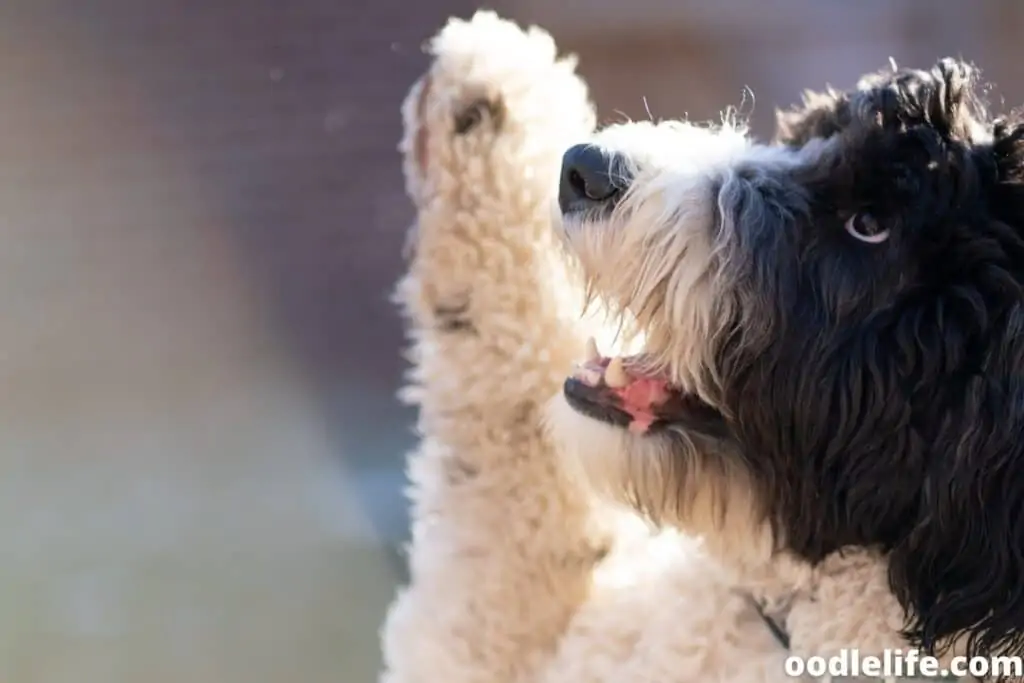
[959, 571]
[821, 115]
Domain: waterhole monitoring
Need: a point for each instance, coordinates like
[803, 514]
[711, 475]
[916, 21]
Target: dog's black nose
[590, 177]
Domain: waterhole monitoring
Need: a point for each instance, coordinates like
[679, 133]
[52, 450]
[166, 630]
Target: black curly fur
[886, 407]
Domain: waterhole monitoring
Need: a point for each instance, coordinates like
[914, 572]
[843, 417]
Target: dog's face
[834, 338]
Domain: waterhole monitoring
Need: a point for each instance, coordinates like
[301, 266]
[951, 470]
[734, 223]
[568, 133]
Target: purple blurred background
[201, 217]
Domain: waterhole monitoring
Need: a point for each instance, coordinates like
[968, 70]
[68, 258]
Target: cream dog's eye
[866, 228]
[470, 117]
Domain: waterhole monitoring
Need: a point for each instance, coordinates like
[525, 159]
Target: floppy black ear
[961, 570]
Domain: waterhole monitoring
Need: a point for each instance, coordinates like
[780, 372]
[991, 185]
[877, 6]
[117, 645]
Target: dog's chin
[601, 452]
[671, 474]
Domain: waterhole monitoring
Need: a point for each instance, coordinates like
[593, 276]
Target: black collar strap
[777, 631]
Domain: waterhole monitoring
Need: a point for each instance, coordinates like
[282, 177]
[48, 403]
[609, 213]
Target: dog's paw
[487, 124]
[485, 130]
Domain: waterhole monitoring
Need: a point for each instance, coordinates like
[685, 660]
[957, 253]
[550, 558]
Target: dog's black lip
[595, 403]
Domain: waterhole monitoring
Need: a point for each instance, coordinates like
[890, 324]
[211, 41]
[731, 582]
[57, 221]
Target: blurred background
[201, 217]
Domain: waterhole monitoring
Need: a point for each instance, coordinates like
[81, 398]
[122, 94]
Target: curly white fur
[518, 574]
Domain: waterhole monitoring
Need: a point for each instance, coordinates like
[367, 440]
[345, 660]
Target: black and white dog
[834, 338]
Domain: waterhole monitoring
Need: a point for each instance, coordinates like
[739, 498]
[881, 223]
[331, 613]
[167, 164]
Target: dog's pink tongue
[639, 398]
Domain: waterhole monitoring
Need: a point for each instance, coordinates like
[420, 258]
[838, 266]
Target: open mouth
[624, 392]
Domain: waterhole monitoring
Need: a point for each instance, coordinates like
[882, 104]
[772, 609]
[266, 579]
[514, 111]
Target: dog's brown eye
[470, 117]
[866, 228]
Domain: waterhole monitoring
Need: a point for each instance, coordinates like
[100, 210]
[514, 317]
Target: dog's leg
[503, 544]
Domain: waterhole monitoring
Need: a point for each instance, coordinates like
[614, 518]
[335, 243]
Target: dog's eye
[866, 228]
[470, 117]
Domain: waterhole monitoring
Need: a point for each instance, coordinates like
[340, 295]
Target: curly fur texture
[503, 547]
[851, 302]
[517, 572]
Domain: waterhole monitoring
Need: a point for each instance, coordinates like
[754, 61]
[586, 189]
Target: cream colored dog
[520, 570]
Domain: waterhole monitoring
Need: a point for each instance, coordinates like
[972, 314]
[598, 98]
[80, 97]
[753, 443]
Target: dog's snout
[590, 178]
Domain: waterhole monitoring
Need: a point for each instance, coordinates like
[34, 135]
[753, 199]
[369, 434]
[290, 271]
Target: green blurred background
[201, 217]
